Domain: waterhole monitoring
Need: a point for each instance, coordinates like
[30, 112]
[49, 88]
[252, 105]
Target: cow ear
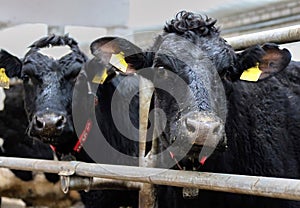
[106, 47]
[11, 64]
[274, 60]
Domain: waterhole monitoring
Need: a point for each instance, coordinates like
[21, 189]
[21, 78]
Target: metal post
[147, 191]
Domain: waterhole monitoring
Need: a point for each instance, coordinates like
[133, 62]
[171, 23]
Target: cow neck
[196, 166]
[89, 124]
[165, 143]
[75, 152]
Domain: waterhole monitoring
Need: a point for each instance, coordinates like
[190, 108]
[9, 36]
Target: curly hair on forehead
[187, 21]
[57, 40]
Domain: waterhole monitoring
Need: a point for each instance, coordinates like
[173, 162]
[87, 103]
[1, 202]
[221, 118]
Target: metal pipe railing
[279, 36]
[242, 184]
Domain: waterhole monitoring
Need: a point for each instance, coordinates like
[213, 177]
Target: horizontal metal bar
[84, 183]
[253, 185]
[279, 36]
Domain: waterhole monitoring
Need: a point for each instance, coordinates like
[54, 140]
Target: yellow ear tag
[118, 61]
[252, 74]
[4, 80]
[100, 79]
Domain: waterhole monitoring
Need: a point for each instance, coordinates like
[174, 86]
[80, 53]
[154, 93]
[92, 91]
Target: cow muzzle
[48, 125]
[203, 129]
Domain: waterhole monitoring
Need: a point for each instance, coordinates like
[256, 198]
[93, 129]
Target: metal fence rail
[279, 36]
[253, 185]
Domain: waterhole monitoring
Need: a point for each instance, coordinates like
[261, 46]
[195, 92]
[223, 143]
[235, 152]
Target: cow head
[48, 85]
[190, 48]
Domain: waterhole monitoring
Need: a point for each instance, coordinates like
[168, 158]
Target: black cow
[263, 127]
[15, 143]
[48, 88]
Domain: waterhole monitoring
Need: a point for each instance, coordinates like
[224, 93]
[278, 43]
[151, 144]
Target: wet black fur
[262, 121]
[263, 126]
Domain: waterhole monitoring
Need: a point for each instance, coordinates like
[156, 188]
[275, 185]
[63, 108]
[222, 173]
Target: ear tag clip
[4, 80]
[100, 79]
[118, 61]
[252, 74]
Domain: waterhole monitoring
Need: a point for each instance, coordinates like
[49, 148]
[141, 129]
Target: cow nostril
[60, 122]
[39, 123]
[190, 125]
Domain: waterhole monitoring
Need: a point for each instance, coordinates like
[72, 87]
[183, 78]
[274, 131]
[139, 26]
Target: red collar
[82, 138]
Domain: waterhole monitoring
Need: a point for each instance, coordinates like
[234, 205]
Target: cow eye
[27, 80]
[29, 77]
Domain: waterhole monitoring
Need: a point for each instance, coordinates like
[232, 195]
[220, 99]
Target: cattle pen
[80, 175]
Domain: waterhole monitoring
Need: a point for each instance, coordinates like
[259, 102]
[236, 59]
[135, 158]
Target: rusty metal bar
[253, 185]
[279, 36]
